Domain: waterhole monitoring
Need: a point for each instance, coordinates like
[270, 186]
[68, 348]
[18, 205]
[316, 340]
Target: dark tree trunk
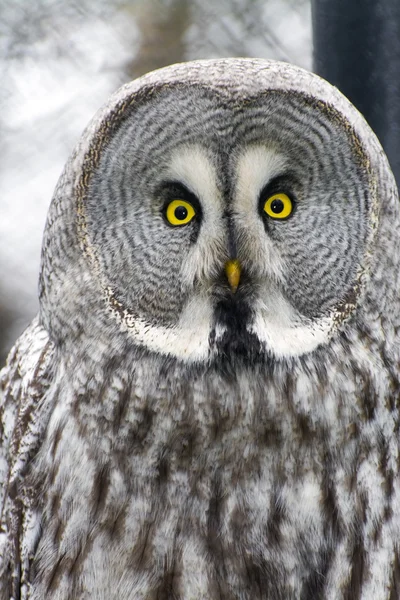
[357, 48]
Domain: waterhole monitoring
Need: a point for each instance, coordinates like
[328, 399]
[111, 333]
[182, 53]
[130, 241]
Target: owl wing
[24, 411]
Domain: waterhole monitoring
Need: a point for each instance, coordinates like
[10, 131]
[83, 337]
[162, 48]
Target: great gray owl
[207, 405]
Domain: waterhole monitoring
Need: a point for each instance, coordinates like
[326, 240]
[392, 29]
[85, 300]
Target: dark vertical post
[357, 48]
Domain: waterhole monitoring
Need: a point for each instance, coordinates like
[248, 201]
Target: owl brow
[286, 182]
[171, 189]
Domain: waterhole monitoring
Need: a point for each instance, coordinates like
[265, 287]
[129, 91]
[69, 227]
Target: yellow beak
[233, 269]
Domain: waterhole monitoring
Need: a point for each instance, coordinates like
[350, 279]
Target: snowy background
[60, 60]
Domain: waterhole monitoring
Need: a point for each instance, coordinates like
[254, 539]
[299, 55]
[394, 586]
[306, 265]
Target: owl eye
[179, 212]
[278, 206]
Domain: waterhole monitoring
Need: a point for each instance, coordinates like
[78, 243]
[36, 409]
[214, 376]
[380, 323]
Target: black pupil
[181, 213]
[277, 206]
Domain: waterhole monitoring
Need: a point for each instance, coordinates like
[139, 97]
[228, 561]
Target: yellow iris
[179, 212]
[278, 206]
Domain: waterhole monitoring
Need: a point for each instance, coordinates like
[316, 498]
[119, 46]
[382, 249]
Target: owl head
[227, 208]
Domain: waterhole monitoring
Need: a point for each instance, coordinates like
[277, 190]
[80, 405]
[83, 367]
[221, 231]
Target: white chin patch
[284, 332]
[283, 335]
[188, 340]
[280, 329]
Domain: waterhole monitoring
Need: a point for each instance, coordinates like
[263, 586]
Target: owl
[207, 405]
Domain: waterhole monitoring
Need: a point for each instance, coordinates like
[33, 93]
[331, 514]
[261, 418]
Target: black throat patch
[237, 345]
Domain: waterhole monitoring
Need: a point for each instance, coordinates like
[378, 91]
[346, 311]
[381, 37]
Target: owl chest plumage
[216, 487]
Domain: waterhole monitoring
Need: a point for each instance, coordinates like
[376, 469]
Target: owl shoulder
[24, 382]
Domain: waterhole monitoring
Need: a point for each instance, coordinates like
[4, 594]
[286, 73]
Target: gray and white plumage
[164, 437]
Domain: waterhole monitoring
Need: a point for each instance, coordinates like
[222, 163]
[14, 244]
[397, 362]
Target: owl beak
[233, 269]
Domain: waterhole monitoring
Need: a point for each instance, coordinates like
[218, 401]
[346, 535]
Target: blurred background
[60, 60]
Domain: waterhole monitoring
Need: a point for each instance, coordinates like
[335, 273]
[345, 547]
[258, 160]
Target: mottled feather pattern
[24, 414]
[237, 492]
[163, 438]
